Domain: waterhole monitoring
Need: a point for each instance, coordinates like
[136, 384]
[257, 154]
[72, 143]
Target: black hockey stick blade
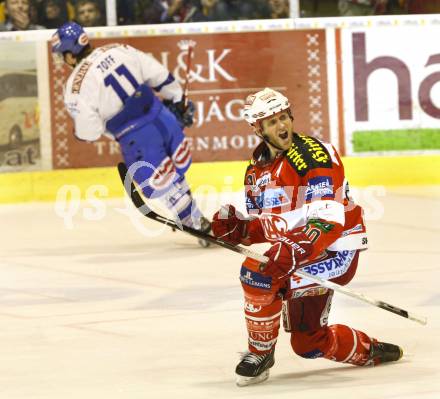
[393, 309]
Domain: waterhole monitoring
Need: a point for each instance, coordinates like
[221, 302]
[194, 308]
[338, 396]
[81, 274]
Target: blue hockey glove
[184, 116]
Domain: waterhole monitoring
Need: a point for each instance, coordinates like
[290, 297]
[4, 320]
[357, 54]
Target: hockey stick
[140, 204]
[189, 44]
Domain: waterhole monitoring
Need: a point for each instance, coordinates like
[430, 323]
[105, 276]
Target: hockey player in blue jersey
[110, 91]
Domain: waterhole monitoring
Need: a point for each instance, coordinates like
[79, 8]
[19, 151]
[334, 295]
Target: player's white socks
[179, 200]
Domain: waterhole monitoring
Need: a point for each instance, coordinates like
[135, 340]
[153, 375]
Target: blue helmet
[69, 37]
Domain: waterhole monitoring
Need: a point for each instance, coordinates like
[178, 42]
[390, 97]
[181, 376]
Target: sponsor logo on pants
[326, 269]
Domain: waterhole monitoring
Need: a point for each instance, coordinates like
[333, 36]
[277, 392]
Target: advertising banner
[226, 67]
[19, 127]
[391, 90]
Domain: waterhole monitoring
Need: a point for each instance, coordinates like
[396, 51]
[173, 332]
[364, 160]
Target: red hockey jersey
[304, 187]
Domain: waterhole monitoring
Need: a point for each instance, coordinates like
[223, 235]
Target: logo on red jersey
[297, 159]
[307, 153]
[268, 199]
[274, 226]
[319, 187]
[319, 154]
[264, 179]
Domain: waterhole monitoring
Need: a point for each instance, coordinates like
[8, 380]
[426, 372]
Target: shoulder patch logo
[319, 153]
[307, 153]
[297, 160]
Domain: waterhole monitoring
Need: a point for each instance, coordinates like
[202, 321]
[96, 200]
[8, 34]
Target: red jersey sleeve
[324, 196]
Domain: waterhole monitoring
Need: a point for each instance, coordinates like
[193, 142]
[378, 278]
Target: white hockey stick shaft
[147, 212]
[343, 290]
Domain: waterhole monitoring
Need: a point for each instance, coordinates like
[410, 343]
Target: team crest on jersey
[274, 226]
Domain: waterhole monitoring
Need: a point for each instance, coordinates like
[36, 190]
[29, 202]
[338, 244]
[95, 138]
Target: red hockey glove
[286, 254]
[229, 225]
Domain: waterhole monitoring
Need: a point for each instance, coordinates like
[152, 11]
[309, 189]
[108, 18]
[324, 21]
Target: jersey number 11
[111, 80]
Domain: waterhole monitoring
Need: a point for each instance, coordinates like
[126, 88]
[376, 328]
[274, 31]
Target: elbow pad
[322, 233]
[326, 210]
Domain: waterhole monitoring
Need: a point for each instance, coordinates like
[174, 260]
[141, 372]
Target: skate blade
[245, 381]
[401, 353]
[203, 243]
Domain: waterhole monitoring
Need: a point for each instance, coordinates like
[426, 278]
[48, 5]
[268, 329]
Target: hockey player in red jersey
[298, 200]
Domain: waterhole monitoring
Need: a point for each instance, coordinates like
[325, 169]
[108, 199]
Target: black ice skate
[205, 226]
[382, 352]
[254, 368]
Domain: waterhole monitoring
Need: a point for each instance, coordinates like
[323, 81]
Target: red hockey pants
[305, 308]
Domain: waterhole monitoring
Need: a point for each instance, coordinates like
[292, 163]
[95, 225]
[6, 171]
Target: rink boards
[208, 178]
[351, 81]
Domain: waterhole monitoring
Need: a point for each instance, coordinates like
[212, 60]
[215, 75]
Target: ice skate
[382, 352]
[205, 226]
[254, 368]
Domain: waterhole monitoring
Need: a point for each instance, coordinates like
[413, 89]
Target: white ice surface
[101, 310]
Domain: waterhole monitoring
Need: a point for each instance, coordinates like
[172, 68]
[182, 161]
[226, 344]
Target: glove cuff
[255, 232]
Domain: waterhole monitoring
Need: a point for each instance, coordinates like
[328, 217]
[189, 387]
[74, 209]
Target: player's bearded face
[278, 129]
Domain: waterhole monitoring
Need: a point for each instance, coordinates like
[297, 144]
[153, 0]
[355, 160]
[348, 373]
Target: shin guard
[262, 307]
[337, 342]
[348, 345]
[263, 323]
